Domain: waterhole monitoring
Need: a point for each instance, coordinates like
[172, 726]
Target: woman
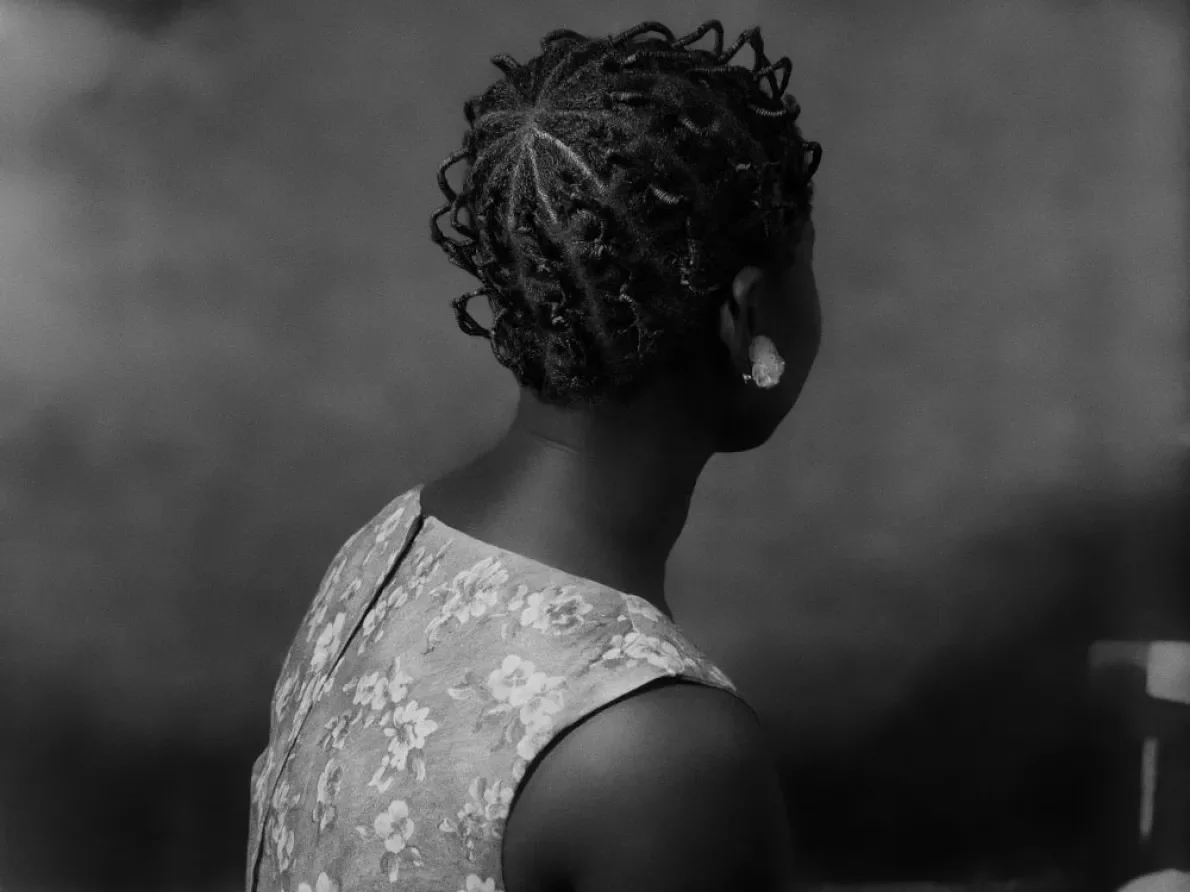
[489, 691]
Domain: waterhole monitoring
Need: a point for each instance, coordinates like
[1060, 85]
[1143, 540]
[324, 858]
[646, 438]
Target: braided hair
[615, 187]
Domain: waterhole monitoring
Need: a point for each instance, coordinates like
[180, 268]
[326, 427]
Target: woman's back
[426, 684]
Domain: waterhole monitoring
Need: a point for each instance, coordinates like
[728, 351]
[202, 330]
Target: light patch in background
[53, 56]
[48, 54]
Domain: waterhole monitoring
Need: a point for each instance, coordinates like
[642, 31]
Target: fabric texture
[428, 672]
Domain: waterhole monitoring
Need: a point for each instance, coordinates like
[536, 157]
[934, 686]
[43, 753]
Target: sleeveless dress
[428, 673]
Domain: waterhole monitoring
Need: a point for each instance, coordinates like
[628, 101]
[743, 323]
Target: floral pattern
[428, 672]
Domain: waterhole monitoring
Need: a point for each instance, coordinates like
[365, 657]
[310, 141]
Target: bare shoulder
[672, 787]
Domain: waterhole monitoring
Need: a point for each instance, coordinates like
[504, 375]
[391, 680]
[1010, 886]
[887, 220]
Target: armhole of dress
[540, 757]
[651, 684]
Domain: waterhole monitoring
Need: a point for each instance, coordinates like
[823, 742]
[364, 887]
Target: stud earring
[767, 364]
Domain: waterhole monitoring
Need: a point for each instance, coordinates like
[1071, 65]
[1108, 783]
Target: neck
[609, 488]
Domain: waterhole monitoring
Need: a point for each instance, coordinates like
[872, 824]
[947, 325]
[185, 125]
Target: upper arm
[673, 788]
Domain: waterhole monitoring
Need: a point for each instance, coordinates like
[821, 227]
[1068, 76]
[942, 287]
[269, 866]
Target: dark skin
[603, 493]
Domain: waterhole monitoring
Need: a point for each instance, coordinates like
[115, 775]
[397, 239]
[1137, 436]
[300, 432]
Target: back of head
[614, 187]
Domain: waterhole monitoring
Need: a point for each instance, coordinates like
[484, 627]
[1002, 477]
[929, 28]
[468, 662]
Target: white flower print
[371, 690]
[637, 647]
[326, 682]
[643, 608]
[282, 839]
[258, 768]
[282, 836]
[482, 581]
[377, 691]
[322, 601]
[317, 612]
[350, 591]
[393, 825]
[398, 682]
[425, 565]
[262, 774]
[336, 731]
[390, 524]
[538, 714]
[282, 801]
[517, 681]
[534, 696]
[336, 571]
[407, 728]
[372, 620]
[519, 767]
[373, 549]
[372, 629]
[472, 593]
[325, 812]
[322, 884]
[394, 828]
[539, 724]
[328, 643]
[315, 685]
[482, 815]
[552, 609]
[317, 615]
[284, 693]
[489, 801]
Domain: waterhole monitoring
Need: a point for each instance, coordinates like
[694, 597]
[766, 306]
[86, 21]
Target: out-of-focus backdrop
[225, 343]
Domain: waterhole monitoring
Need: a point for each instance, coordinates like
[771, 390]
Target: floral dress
[428, 673]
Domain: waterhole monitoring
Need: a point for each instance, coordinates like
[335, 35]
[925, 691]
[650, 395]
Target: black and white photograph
[594, 446]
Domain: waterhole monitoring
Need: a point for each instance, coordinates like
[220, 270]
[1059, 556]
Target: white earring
[767, 364]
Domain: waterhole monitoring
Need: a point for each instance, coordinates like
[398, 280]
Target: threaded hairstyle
[614, 188]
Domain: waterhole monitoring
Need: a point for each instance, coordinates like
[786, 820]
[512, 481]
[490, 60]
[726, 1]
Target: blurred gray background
[225, 343]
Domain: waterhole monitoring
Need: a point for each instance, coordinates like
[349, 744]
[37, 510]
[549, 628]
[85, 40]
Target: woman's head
[635, 211]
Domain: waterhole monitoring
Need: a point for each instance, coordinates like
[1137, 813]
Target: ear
[737, 316]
